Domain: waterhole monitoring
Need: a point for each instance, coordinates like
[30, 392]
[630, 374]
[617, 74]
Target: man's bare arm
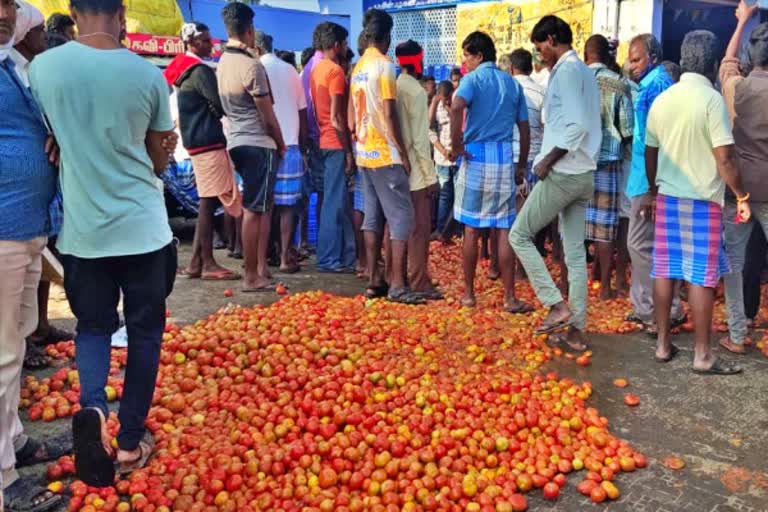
[393, 120]
[264, 104]
[160, 146]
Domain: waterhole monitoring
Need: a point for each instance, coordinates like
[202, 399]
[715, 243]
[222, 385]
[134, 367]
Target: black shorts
[258, 168]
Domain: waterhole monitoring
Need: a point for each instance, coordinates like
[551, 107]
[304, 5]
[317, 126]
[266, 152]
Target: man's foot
[717, 367]
[737, 348]
[517, 307]
[607, 293]
[289, 268]
[50, 336]
[558, 318]
[217, 273]
[24, 495]
[35, 358]
[259, 286]
[36, 452]
[130, 460]
[622, 289]
[376, 291]
[666, 354]
[189, 273]
[468, 301]
[493, 274]
[576, 340]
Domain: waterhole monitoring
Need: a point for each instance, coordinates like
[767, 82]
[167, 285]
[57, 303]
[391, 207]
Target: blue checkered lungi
[358, 199]
[290, 178]
[485, 186]
[603, 210]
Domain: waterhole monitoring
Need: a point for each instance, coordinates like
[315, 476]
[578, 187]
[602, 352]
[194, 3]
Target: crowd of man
[647, 163]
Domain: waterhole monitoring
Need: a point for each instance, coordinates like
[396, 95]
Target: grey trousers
[736, 238]
[640, 243]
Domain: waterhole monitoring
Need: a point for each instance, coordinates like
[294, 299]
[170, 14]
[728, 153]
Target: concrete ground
[717, 425]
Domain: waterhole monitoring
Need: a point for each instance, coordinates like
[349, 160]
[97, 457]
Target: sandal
[291, 269]
[36, 452]
[235, 255]
[220, 275]
[25, 496]
[519, 308]
[719, 367]
[271, 287]
[673, 351]
[376, 292]
[433, 294]
[561, 340]
[547, 326]
[187, 274]
[731, 346]
[405, 296]
[35, 358]
[54, 335]
[146, 449]
[93, 463]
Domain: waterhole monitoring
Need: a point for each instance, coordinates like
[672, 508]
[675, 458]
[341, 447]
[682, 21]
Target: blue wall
[291, 29]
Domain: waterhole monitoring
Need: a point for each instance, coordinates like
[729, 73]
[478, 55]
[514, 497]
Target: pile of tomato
[324, 403]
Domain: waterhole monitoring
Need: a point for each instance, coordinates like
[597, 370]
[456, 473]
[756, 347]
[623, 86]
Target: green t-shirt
[100, 105]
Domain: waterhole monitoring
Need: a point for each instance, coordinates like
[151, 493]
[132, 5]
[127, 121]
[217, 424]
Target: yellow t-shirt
[373, 82]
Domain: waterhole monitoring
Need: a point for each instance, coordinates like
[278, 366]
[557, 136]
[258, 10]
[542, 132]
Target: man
[689, 158]
[314, 162]
[572, 136]
[31, 41]
[413, 111]
[27, 185]
[61, 25]
[617, 118]
[521, 67]
[291, 111]
[747, 98]
[645, 57]
[336, 238]
[541, 71]
[440, 136]
[111, 243]
[455, 77]
[255, 141]
[430, 87]
[382, 159]
[202, 135]
[485, 187]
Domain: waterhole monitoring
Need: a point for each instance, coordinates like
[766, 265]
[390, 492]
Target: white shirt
[572, 116]
[181, 153]
[541, 77]
[288, 94]
[534, 98]
[22, 66]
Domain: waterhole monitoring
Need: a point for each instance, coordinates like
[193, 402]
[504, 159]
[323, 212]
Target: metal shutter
[433, 29]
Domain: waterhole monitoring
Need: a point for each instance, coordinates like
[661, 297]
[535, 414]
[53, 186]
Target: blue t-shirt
[101, 104]
[655, 82]
[27, 179]
[495, 104]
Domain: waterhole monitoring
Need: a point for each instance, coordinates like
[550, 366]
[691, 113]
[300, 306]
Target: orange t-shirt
[327, 80]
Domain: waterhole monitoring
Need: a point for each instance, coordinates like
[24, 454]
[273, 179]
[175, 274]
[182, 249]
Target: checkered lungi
[603, 209]
[688, 241]
[358, 199]
[485, 186]
[290, 178]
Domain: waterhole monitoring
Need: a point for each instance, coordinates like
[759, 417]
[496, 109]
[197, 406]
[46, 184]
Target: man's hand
[520, 172]
[281, 150]
[542, 169]
[744, 11]
[456, 152]
[743, 212]
[349, 168]
[647, 208]
[433, 190]
[170, 142]
[406, 164]
[52, 150]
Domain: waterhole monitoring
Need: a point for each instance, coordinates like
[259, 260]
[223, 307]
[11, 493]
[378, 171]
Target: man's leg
[546, 200]
[640, 245]
[754, 263]
[494, 270]
[255, 237]
[622, 258]
[469, 264]
[285, 213]
[330, 242]
[736, 236]
[145, 280]
[605, 260]
[204, 236]
[357, 224]
[573, 226]
[702, 302]
[372, 228]
[663, 290]
[418, 243]
[508, 265]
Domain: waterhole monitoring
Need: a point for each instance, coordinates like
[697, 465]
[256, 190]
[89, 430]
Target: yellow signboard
[509, 23]
[158, 17]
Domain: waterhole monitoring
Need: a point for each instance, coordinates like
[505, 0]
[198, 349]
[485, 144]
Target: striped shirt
[534, 98]
[442, 132]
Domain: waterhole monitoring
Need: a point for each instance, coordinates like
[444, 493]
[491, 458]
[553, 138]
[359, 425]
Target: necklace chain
[92, 34]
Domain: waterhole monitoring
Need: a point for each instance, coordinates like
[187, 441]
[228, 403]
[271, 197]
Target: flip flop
[376, 292]
[21, 495]
[521, 308]
[261, 289]
[719, 368]
[545, 328]
[289, 270]
[186, 274]
[52, 449]
[405, 296]
[146, 450]
[93, 464]
[562, 341]
[220, 275]
[673, 351]
[432, 294]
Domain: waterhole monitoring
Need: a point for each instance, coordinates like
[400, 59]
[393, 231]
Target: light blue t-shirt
[495, 104]
[100, 105]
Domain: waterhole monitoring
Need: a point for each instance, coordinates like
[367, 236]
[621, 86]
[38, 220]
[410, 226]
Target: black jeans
[754, 262]
[93, 289]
